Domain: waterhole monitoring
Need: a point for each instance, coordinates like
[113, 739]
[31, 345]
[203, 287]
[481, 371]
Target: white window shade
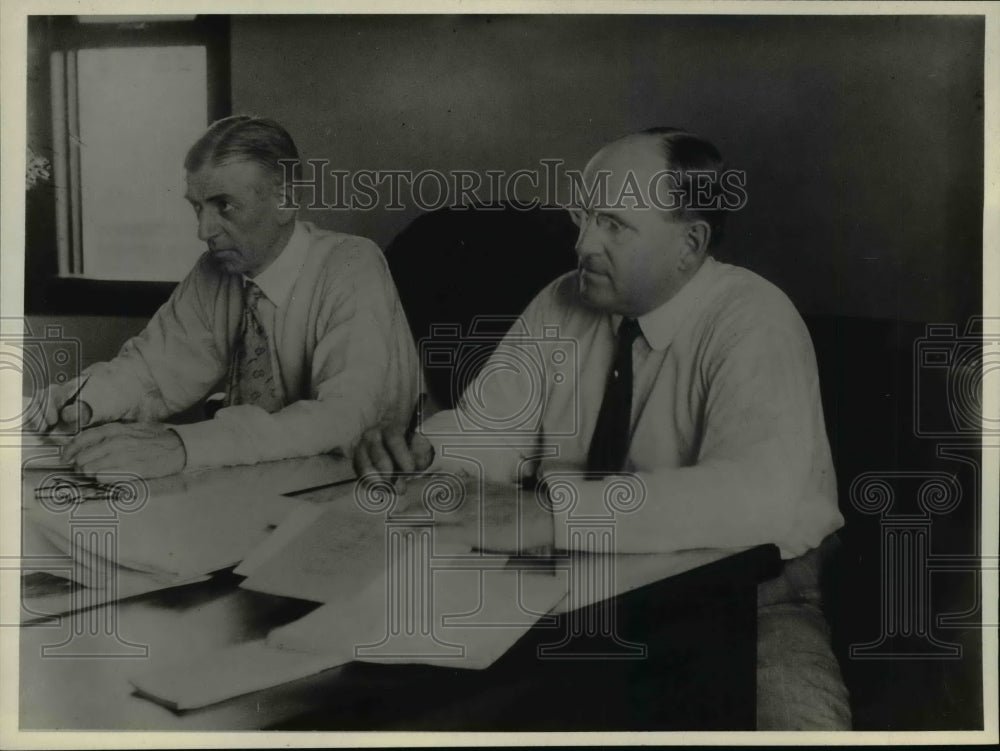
[140, 109]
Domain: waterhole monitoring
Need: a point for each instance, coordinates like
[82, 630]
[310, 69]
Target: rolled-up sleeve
[170, 365]
[496, 428]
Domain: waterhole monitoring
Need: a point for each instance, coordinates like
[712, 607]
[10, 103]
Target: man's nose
[208, 225]
[586, 240]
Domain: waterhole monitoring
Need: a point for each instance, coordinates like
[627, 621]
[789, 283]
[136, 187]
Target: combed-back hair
[244, 138]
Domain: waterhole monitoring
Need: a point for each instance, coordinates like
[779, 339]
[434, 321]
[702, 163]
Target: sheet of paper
[226, 513]
[229, 672]
[177, 536]
[328, 555]
[477, 616]
[76, 582]
[56, 604]
[80, 565]
[467, 619]
[294, 525]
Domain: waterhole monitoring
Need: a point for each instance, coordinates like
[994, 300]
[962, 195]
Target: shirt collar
[277, 280]
[660, 325]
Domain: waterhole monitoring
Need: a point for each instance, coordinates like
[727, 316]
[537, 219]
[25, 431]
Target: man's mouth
[593, 271]
[226, 258]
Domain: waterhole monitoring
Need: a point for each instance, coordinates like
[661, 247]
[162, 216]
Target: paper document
[76, 597]
[175, 537]
[461, 618]
[474, 617]
[54, 583]
[331, 551]
[230, 672]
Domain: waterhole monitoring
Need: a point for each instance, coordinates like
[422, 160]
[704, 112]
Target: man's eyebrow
[618, 217]
[217, 198]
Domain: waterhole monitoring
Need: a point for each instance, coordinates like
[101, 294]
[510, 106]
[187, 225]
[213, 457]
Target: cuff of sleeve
[577, 504]
[200, 440]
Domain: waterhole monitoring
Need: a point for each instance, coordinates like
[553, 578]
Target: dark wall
[861, 136]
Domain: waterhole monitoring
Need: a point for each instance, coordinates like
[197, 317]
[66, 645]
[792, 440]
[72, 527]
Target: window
[124, 97]
[134, 224]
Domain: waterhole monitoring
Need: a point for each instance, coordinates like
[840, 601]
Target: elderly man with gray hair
[301, 327]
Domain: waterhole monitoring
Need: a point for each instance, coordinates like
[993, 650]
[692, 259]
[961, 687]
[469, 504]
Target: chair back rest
[469, 272]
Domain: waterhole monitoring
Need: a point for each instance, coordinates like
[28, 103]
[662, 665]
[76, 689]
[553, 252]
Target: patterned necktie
[610, 442]
[252, 377]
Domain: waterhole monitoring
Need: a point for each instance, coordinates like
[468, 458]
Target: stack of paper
[467, 618]
[55, 582]
[475, 619]
[392, 593]
[157, 541]
[84, 543]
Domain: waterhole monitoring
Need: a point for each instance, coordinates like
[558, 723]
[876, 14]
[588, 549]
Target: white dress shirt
[342, 350]
[728, 444]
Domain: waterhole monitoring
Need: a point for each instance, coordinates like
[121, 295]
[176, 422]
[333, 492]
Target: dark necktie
[610, 442]
[252, 378]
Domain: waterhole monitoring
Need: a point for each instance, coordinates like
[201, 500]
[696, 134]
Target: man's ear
[697, 238]
[284, 194]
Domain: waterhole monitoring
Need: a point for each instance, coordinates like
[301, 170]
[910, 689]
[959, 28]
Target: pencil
[72, 399]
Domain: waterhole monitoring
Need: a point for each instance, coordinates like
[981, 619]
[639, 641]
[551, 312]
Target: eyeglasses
[605, 223]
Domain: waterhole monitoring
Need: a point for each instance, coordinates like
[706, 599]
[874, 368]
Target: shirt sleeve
[363, 371]
[762, 446]
[169, 366]
[496, 428]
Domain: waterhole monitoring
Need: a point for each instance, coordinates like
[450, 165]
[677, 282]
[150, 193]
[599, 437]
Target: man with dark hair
[301, 326]
[693, 377]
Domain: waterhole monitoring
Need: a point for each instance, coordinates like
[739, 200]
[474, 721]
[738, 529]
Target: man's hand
[504, 519]
[385, 451]
[57, 417]
[149, 449]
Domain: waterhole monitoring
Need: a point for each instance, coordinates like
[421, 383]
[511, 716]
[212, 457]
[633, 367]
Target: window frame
[45, 291]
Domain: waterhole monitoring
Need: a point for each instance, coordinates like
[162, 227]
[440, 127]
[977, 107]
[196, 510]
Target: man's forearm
[246, 434]
[721, 504]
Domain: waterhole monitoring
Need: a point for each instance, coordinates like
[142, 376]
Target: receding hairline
[640, 150]
[641, 142]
